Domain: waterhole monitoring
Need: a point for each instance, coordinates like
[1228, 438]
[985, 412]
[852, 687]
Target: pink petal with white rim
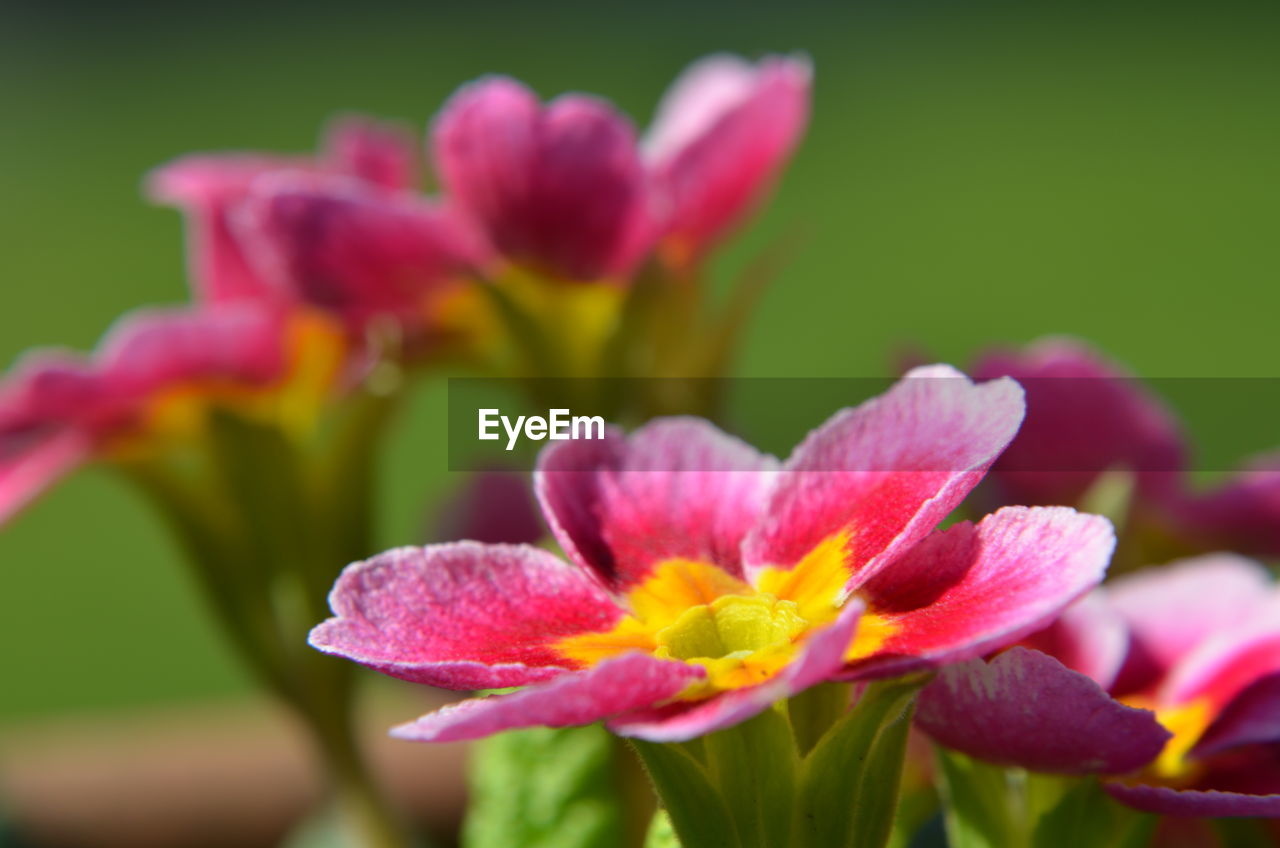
[462, 615]
[819, 659]
[676, 488]
[1227, 663]
[560, 187]
[1027, 709]
[721, 136]
[380, 154]
[1195, 803]
[616, 685]
[1172, 609]
[1089, 637]
[970, 590]
[888, 471]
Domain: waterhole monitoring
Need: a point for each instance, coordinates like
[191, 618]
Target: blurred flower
[709, 581]
[150, 385]
[493, 506]
[565, 190]
[1192, 721]
[361, 253]
[1087, 416]
[210, 187]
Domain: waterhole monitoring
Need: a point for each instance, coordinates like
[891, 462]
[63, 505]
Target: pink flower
[356, 251]
[1086, 416]
[565, 189]
[706, 581]
[148, 386]
[210, 187]
[1186, 715]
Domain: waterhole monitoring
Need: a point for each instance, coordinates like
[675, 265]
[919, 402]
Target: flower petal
[1195, 803]
[614, 686]
[462, 615]
[819, 659]
[1227, 663]
[28, 472]
[1172, 609]
[1251, 718]
[338, 244]
[1085, 416]
[378, 153]
[887, 471]
[973, 589]
[560, 188]
[1243, 514]
[1089, 637]
[721, 134]
[1027, 709]
[208, 188]
[676, 488]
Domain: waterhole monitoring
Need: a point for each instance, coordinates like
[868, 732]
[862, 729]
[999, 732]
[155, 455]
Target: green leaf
[661, 833]
[696, 808]
[754, 766]
[545, 788]
[982, 803]
[1087, 815]
[849, 783]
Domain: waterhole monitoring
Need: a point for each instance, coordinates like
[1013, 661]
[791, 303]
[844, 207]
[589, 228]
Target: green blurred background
[974, 173]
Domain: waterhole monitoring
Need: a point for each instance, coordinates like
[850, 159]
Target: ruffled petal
[462, 615]
[972, 589]
[1251, 718]
[380, 154]
[676, 488]
[1027, 709]
[819, 660]
[886, 472]
[615, 686]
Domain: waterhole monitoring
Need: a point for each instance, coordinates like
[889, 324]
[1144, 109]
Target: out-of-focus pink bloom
[495, 507]
[565, 189]
[149, 382]
[560, 188]
[722, 133]
[1086, 416]
[1190, 726]
[209, 188]
[359, 252]
[706, 581]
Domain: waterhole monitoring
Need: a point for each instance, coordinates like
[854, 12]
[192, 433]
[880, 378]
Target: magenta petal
[152, 349]
[560, 188]
[615, 686]
[1085, 415]
[1089, 637]
[677, 487]
[1027, 709]
[1172, 609]
[1195, 803]
[972, 589]
[1242, 515]
[380, 154]
[887, 471]
[349, 248]
[1251, 718]
[31, 470]
[821, 657]
[208, 190]
[1226, 664]
[721, 135]
[462, 615]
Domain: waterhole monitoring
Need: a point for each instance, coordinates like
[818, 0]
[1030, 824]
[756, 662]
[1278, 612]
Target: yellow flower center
[742, 634]
[1187, 722]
